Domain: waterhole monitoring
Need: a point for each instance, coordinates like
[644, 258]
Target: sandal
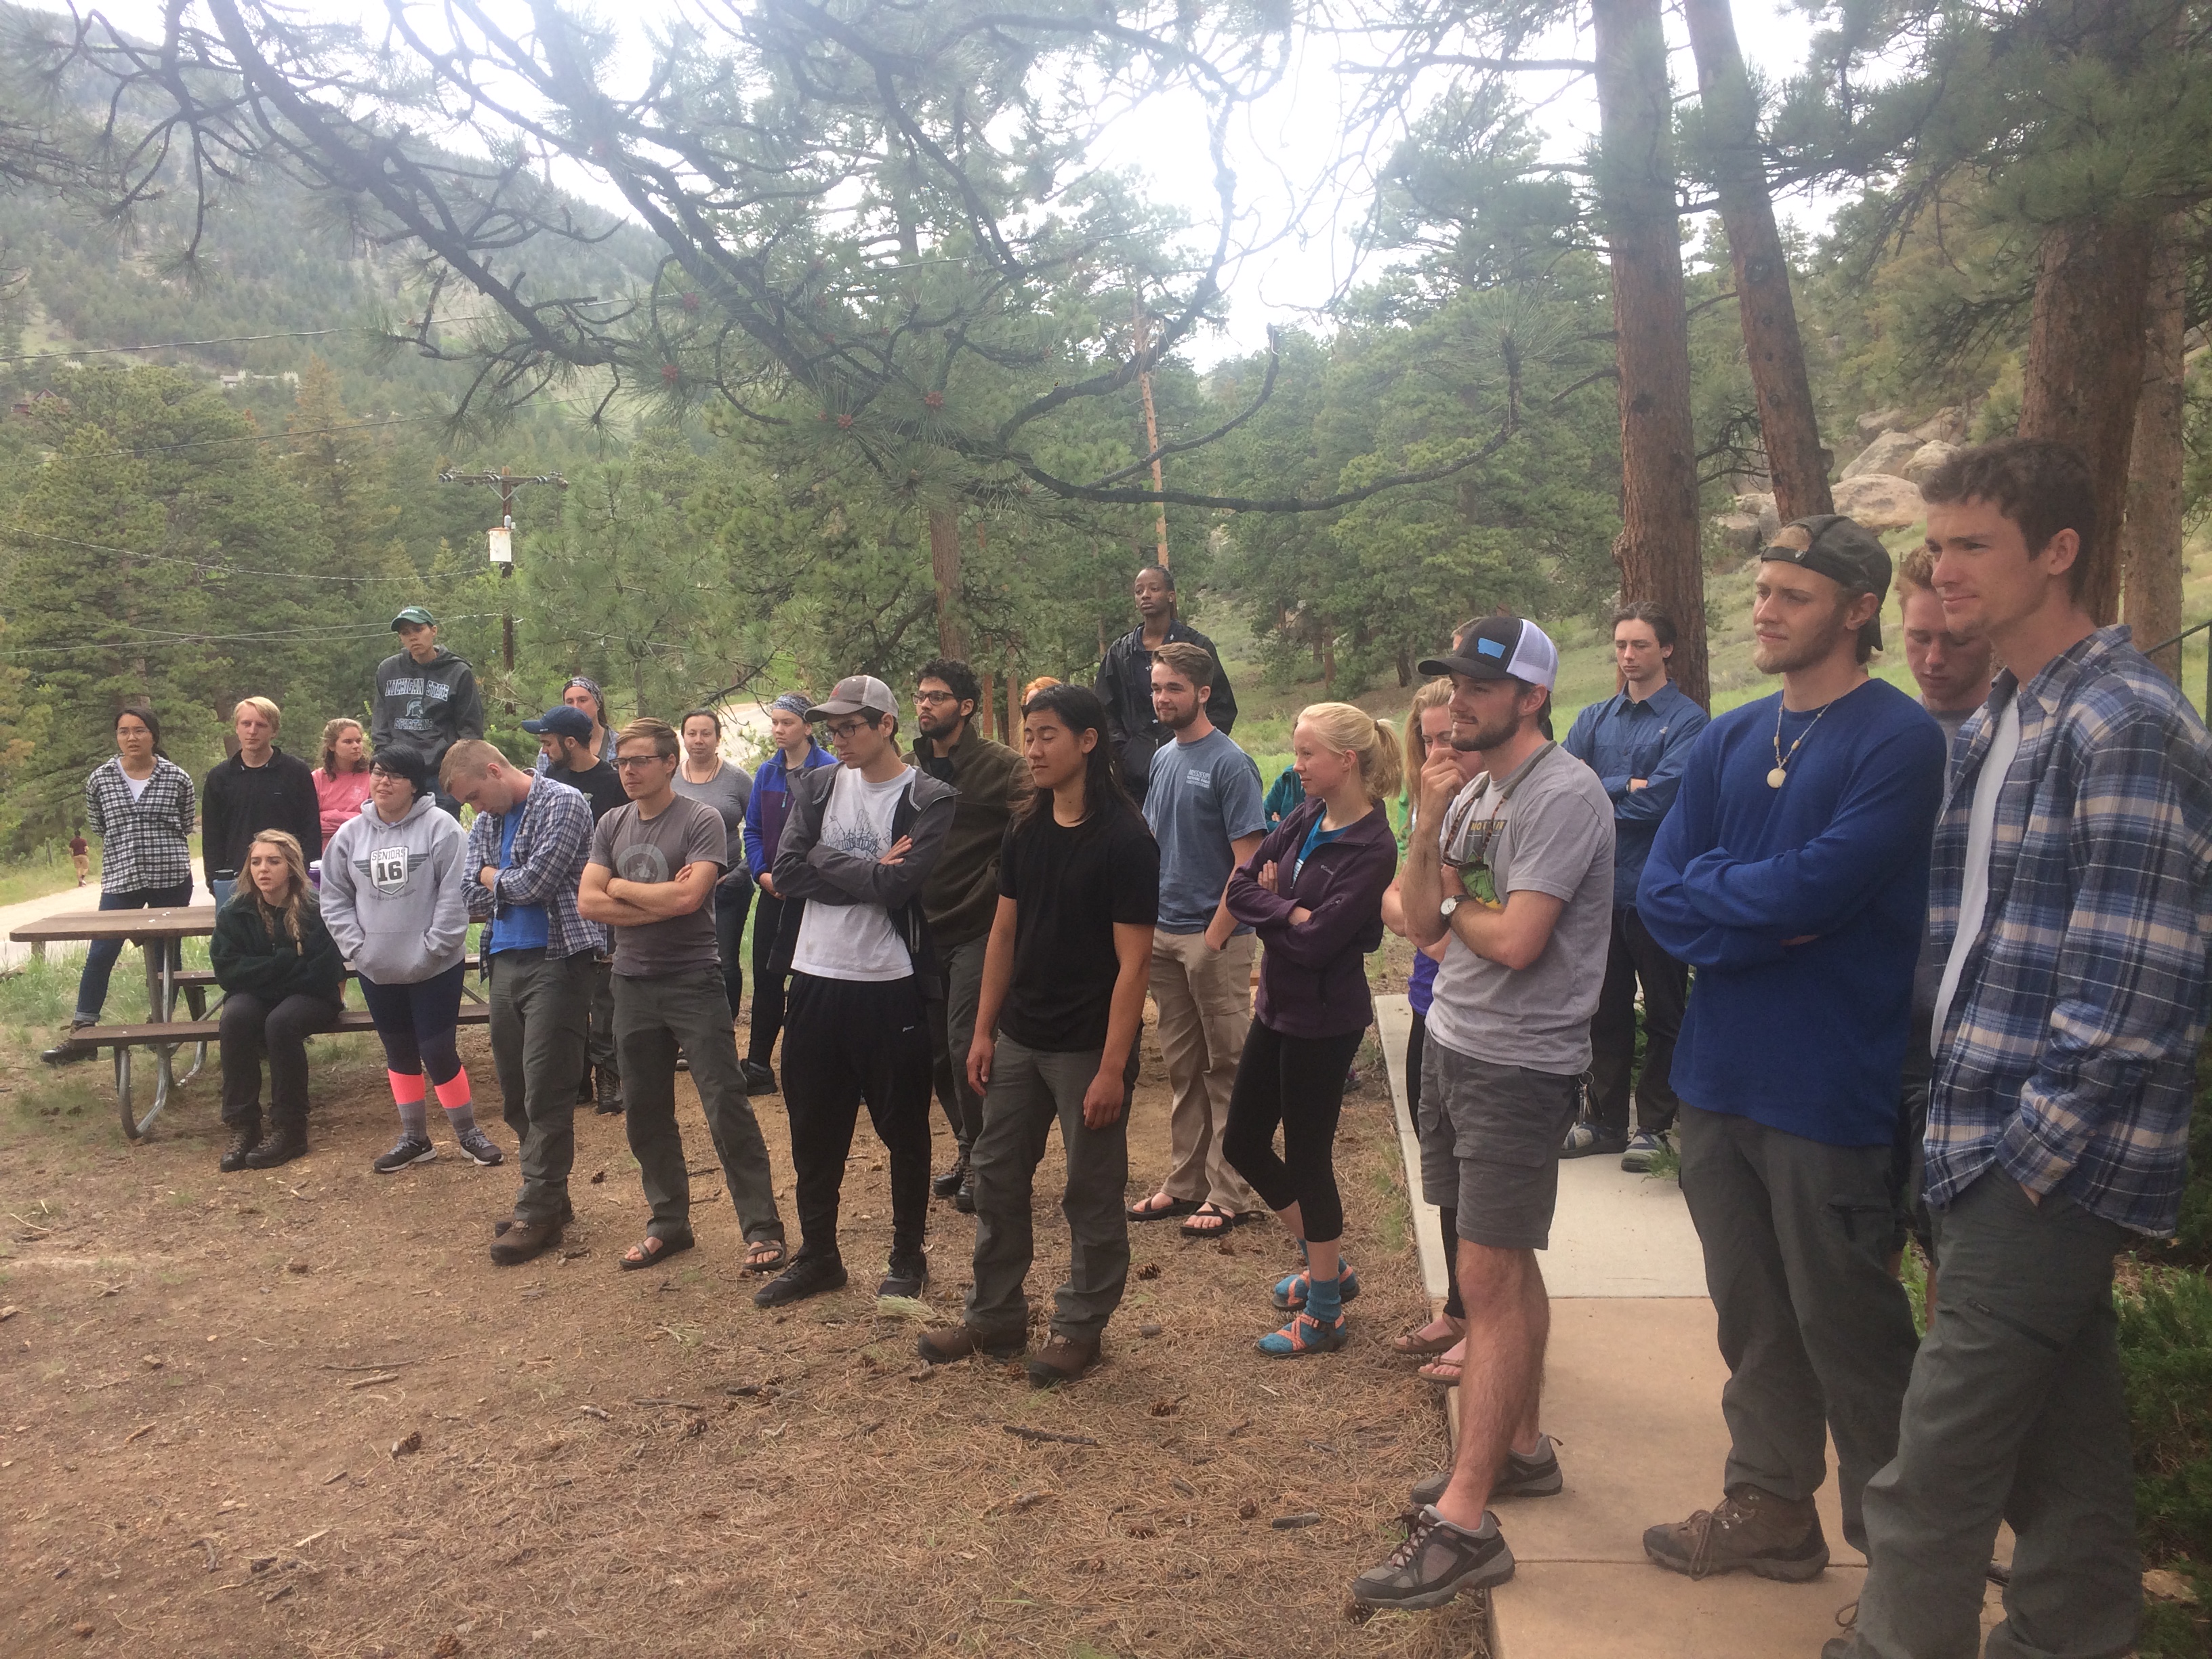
[1414, 1346]
[757, 1263]
[1443, 1372]
[652, 1249]
[1151, 1209]
[1212, 1212]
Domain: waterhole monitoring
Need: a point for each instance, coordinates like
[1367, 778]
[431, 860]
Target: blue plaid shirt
[551, 846]
[2068, 1055]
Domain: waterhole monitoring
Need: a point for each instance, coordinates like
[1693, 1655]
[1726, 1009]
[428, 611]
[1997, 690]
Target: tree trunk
[1788, 427]
[945, 567]
[2150, 541]
[1013, 738]
[2085, 369]
[1658, 548]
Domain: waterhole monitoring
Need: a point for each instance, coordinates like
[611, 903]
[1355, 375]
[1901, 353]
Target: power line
[231, 570]
[177, 345]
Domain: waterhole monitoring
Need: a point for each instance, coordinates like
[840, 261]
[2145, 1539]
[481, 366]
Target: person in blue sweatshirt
[1792, 875]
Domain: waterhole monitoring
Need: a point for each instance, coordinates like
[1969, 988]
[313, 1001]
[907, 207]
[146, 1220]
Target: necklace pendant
[1777, 778]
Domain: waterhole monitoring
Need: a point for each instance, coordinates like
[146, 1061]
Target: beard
[1182, 720]
[1495, 735]
[937, 726]
[1786, 656]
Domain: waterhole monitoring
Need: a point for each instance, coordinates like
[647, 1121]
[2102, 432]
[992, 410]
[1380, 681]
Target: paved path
[1631, 1395]
[13, 916]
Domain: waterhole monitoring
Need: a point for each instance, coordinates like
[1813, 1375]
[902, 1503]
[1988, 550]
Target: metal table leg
[160, 999]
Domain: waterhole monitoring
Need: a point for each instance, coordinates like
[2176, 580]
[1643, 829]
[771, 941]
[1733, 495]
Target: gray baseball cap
[856, 694]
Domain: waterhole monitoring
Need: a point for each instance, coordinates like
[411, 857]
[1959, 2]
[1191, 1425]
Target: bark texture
[2151, 539]
[944, 570]
[1658, 548]
[1789, 428]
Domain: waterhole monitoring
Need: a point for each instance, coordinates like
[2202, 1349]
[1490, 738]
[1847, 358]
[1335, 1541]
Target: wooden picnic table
[146, 929]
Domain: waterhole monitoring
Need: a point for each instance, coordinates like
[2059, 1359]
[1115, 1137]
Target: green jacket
[961, 894]
[246, 958]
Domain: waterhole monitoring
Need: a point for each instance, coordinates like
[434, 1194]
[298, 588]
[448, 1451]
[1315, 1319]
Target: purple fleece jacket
[1313, 974]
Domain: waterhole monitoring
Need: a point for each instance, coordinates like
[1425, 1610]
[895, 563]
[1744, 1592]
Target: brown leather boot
[1061, 1360]
[524, 1240]
[245, 1136]
[1750, 1528]
[943, 1346]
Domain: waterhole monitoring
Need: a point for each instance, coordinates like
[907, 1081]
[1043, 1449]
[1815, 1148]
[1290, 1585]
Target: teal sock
[1323, 1300]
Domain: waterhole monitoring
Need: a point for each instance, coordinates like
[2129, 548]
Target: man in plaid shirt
[2071, 906]
[526, 852]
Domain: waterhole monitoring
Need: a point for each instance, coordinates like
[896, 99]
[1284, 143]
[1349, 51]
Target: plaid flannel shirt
[2068, 1055]
[551, 845]
[145, 843]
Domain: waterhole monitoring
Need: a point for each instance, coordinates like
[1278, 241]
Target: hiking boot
[1061, 1360]
[505, 1223]
[1643, 1148]
[408, 1149]
[67, 1051]
[965, 1200]
[1586, 1140]
[807, 1275]
[477, 1147]
[1522, 1476]
[760, 1077]
[245, 1136]
[1435, 1562]
[908, 1272]
[953, 1179]
[942, 1347]
[606, 1092]
[1772, 1537]
[524, 1240]
[287, 1141]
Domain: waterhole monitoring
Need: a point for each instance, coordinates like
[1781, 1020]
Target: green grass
[47, 870]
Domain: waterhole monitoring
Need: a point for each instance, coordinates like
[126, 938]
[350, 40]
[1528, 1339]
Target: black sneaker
[760, 1078]
[285, 1142]
[478, 1147]
[1435, 1562]
[952, 1181]
[1522, 1476]
[965, 1200]
[408, 1149]
[243, 1137]
[907, 1273]
[807, 1275]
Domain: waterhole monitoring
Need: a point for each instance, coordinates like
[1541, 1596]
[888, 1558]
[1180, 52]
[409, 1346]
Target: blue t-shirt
[1200, 798]
[517, 927]
[1802, 909]
[1315, 836]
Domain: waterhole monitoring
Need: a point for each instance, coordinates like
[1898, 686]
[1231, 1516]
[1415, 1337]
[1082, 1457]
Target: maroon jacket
[1313, 976]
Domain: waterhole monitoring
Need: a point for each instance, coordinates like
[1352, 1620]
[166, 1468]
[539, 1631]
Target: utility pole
[501, 540]
[1151, 429]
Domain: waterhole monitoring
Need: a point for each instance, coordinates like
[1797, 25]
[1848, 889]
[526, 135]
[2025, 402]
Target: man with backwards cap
[856, 851]
[565, 735]
[424, 695]
[1513, 869]
[1793, 876]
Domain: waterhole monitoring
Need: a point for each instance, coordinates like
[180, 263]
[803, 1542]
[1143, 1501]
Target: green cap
[416, 614]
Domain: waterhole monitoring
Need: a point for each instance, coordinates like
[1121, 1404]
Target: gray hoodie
[394, 895]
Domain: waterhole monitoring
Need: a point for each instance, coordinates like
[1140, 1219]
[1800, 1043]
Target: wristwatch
[1451, 904]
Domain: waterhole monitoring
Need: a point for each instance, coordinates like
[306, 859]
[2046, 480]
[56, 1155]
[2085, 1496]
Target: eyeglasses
[843, 730]
[935, 696]
[622, 761]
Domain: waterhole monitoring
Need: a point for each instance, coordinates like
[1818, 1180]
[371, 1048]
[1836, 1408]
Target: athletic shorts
[1492, 1147]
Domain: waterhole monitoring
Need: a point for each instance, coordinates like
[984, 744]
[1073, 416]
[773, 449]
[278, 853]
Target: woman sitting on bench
[282, 979]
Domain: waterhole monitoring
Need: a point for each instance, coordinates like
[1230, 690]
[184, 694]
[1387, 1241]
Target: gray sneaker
[1642, 1147]
[1435, 1562]
[479, 1148]
[1522, 1476]
[407, 1150]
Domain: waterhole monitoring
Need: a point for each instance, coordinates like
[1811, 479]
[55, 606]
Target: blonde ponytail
[1351, 731]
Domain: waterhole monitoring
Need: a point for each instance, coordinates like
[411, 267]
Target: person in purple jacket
[1313, 892]
[766, 809]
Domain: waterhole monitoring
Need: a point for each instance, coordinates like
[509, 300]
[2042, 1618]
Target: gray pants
[2015, 1412]
[1817, 1335]
[653, 1019]
[600, 1053]
[538, 1006]
[1028, 1089]
[951, 1029]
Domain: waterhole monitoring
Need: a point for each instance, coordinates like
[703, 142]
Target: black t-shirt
[1069, 887]
[601, 785]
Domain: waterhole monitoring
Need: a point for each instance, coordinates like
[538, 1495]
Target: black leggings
[1416, 1045]
[1298, 1082]
[417, 1023]
[767, 987]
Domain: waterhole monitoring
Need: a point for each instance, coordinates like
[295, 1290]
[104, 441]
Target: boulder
[1761, 508]
[1926, 459]
[1736, 535]
[1886, 453]
[1880, 420]
[1945, 425]
[1880, 501]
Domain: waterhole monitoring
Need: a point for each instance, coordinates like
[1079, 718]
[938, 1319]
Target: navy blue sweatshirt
[1806, 1038]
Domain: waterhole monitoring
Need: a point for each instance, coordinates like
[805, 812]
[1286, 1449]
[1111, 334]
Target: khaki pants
[1205, 1000]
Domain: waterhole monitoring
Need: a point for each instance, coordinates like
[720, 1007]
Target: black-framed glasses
[622, 761]
[843, 730]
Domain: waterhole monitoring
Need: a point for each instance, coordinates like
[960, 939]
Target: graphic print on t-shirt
[1467, 840]
[642, 861]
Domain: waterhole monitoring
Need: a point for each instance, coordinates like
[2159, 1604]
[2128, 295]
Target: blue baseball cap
[561, 722]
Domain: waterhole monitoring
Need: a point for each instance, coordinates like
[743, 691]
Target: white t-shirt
[1981, 835]
[854, 941]
[137, 786]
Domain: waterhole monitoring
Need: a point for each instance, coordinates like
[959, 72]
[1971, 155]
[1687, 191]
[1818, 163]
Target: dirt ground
[206, 1377]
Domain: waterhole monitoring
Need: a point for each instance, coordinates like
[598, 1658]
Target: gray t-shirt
[1201, 797]
[726, 792]
[656, 849]
[1553, 835]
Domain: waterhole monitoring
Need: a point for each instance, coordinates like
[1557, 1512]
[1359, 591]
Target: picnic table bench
[163, 1033]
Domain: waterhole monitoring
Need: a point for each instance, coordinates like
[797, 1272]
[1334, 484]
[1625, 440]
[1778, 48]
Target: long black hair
[1078, 708]
[147, 718]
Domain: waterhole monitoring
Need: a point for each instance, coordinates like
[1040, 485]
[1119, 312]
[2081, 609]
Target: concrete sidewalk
[1632, 1395]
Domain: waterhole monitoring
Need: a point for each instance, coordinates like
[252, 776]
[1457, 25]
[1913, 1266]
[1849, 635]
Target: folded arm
[812, 871]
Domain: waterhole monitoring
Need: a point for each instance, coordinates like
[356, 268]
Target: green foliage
[2166, 1351]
